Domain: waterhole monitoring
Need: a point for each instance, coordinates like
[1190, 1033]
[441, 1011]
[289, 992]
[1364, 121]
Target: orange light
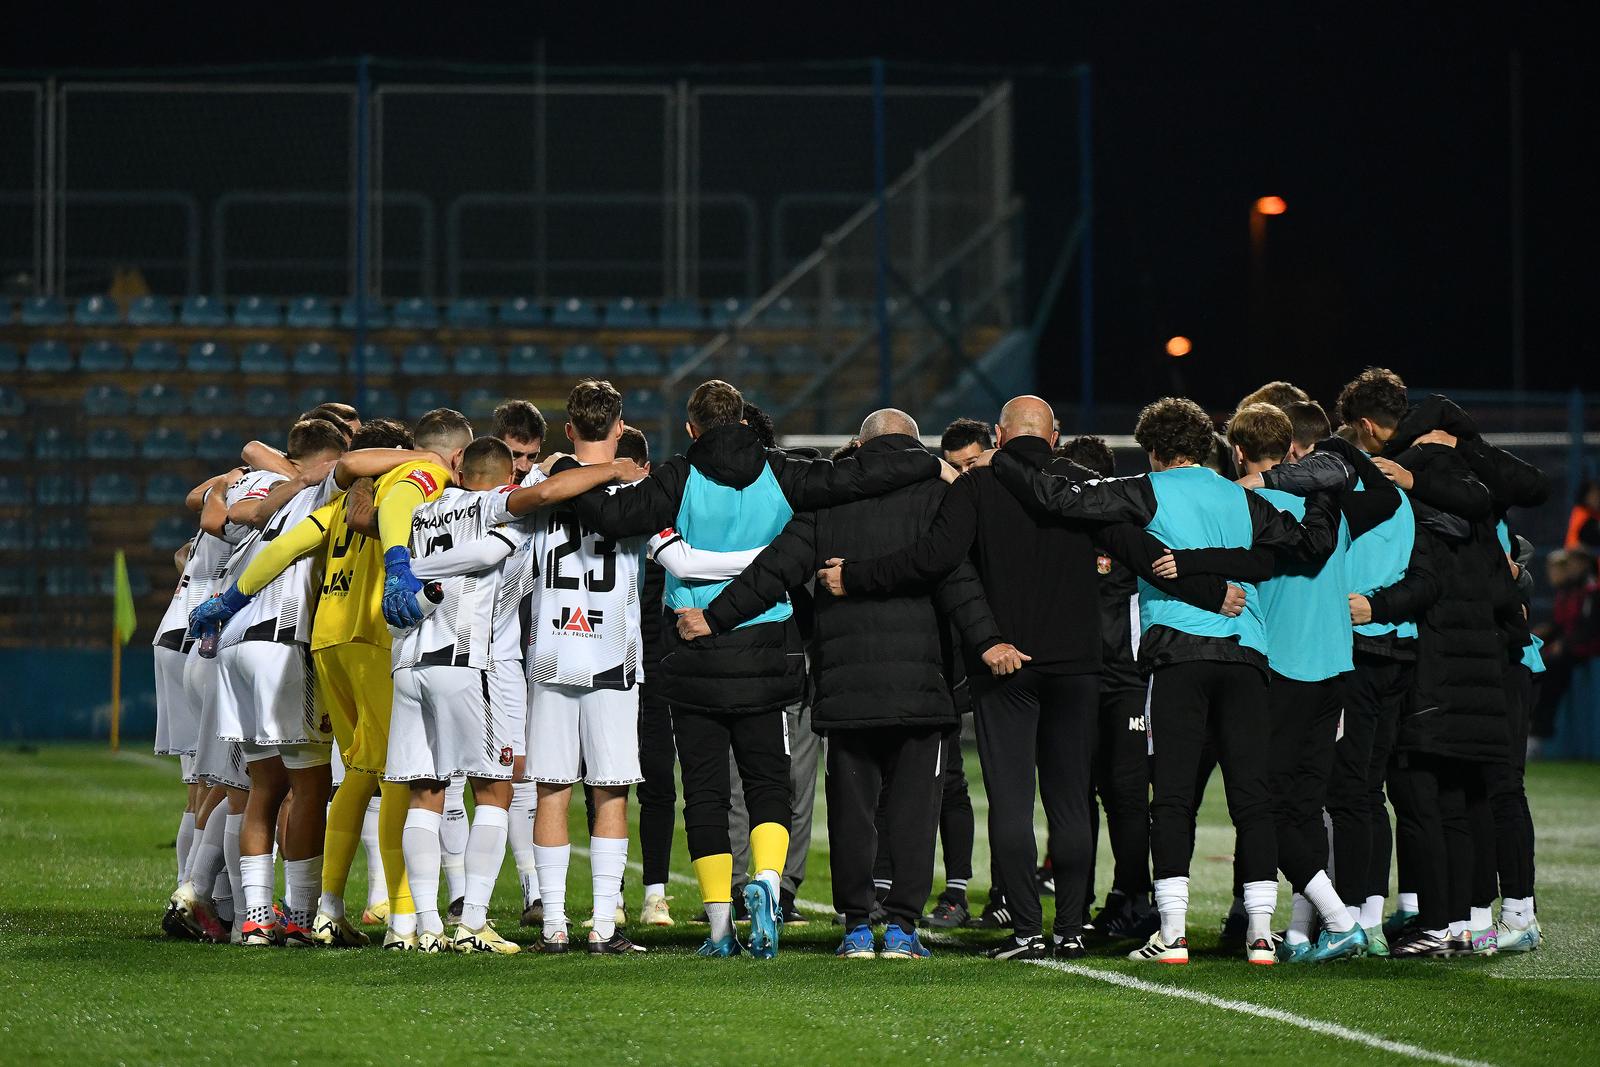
[1178, 346]
[1271, 205]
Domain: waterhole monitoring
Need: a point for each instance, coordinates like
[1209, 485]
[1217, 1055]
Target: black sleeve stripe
[318, 525]
[504, 539]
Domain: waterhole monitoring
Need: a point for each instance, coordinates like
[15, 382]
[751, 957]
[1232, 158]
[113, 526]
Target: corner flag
[122, 626]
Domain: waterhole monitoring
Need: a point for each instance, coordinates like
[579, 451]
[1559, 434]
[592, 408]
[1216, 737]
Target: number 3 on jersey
[566, 522]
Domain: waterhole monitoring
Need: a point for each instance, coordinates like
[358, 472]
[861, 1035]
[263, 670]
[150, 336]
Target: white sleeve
[470, 558]
[329, 490]
[252, 486]
[688, 564]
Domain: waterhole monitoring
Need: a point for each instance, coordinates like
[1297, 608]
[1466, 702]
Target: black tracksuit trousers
[1305, 717]
[1030, 720]
[1122, 780]
[1374, 694]
[1444, 832]
[659, 791]
[760, 745]
[1508, 797]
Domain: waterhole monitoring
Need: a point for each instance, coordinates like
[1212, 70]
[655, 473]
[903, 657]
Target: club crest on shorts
[505, 756]
[578, 621]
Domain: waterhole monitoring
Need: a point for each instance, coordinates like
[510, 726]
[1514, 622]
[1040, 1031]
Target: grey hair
[887, 421]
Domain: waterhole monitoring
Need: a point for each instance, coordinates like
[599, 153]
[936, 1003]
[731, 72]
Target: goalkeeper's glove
[212, 615]
[400, 589]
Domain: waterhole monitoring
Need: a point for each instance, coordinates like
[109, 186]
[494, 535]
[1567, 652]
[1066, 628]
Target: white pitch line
[1244, 1007]
[684, 879]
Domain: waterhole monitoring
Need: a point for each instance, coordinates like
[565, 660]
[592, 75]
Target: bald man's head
[1027, 416]
[887, 421]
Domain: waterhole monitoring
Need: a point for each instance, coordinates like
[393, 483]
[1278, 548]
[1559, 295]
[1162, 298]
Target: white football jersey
[208, 560]
[282, 609]
[461, 631]
[585, 617]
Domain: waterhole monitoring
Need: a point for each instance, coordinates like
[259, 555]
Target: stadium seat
[11, 402]
[113, 490]
[110, 443]
[202, 311]
[158, 399]
[423, 360]
[637, 359]
[97, 310]
[156, 357]
[43, 311]
[421, 401]
[520, 313]
[626, 313]
[54, 443]
[311, 396]
[784, 314]
[723, 312]
[478, 360]
[18, 582]
[106, 582]
[61, 580]
[57, 490]
[573, 312]
[63, 533]
[10, 358]
[680, 315]
[681, 356]
[216, 445]
[167, 490]
[150, 311]
[468, 313]
[105, 400]
[350, 313]
[314, 357]
[479, 404]
[529, 360]
[268, 401]
[15, 535]
[378, 403]
[49, 357]
[13, 490]
[584, 360]
[209, 357]
[376, 359]
[13, 447]
[741, 362]
[257, 312]
[643, 405]
[165, 442]
[213, 400]
[103, 357]
[415, 313]
[309, 313]
[795, 359]
[262, 357]
[169, 533]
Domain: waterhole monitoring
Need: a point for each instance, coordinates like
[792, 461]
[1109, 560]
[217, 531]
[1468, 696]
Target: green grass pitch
[86, 863]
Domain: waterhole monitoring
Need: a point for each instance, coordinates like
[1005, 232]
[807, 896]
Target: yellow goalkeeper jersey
[351, 605]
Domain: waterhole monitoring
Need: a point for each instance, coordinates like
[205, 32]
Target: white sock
[454, 865]
[331, 905]
[222, 897]
[257, 875]
[1517, 912]
[1172, 901]
[1260, 900]
[552, 862]
[1459, 927]
[302, 884]
[1372, 912]
[377, 889]
[1482, 918]
[519, 837]
[453, 837]
[231, 858]
[205, 858]
[420, 842]
[1301, 915]
[721, 918]
[1408, 902]
[655, 889]
[185, 843]
[608, 858]
[403, 924]
[771, 878]
[1325, 898]
[486, 851]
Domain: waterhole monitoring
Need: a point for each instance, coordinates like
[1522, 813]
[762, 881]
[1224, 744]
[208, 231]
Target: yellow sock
[392, 807]
[716, 878]
[769, 847]
[345, 816]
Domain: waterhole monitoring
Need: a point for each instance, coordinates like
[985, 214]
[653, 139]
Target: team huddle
[377, 618]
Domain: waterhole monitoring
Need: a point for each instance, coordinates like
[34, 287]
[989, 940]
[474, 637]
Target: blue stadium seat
[156, 357]
[529, 361]
[49, 357]
[13, 490]
[165, 442]
[10, 358]
[5, 311]
[105, 400]
[314, 357]
[57, 490]
[310, 313]
[62, 580]
[741, 362]
[784, 313]
[627, 313]
[216, 445]
[421, 401]
[637, 359]
[584, 359]
[54, 443]
[113, 490]
[18, 582]
[150, 311]
[105, 583]
[43, 311]
[795, 359]
[103, 357]
[11, 402]
[723, 312]
[520, 313]
[13, 446]
[415, 313]
[263, 357]
[209, 357]
[61, 532]
[258, 312]
[169, 533]
[167, 490]
[213, 400]
[377, 317]
[110, 443]
[643, 405]
[204, 311]
[378, 360]
[574, 312]
[311, 396]
[96, 310]
[377, 403]
[468, 313]
[681, 355]
[157, 399]
[680, 315]
[15, 535]
[478, 360]
[423, 360]
[268, 401]
[479, 404]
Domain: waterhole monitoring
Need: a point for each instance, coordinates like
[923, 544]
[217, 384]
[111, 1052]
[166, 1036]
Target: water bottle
[208, 643]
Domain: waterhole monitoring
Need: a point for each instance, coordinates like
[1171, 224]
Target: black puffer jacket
[756, 668]
[876, 660]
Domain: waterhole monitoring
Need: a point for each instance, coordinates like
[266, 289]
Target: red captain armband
[424, 481]
[667, 534]
[256, 494]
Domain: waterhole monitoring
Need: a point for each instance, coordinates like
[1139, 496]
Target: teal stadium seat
[11, 403]
[158, 399]
[150, 311]
[113, 490]
[423, 361]
[478, 361]
[43, 311]
[723, 312]
[681, 356]
[574, 313]
[110, 443]
[257, 312]
[106, 581]
[350, 314]
[268, 401]
[105, 401]
[103, 357]
[785, 314]
[520, 313]
[415, 313]
[584, 360]
[626, 313]
[166, 443]
[63, 581]
[213, 400]
[10, 358]
[219, 446]
[740, 363]
[423, 400]
[309, 313]
[680, 315]
[13, 448]
[314, 357]
[156, 357]
[167, 490]
[795, 360]
[637, 359]
[377, 403]
[97, 310]
[170, 532]
[311, 396]
[56, 445]
[62, 533]
[379, 363]
[49, 357]
[14, 491]
[18, 582]
[263, 357]
[202, 311]
[643, 405]
[210, 357]
[479, 404]
[57, 491]
[468, 313]
[530, 361]
[15, 535]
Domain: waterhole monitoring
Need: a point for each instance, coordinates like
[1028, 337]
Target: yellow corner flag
[122, 627]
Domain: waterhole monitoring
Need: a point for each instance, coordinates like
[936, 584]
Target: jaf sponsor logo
[579, 622]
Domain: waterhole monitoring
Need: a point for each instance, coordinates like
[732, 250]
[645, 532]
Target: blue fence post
[880, 181]
[1576, 471]
[1085, 256]
[363, 168]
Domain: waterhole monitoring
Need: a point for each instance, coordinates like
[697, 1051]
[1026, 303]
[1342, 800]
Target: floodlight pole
[1085, 255]
[363, 162]
[880, 180]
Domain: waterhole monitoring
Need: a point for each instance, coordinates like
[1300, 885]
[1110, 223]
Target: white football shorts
[583, 735]
[216, 762]
[177, 726]
[446, 722]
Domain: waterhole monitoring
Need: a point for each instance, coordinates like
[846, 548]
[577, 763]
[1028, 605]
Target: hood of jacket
[1434, 412]
[729, 455]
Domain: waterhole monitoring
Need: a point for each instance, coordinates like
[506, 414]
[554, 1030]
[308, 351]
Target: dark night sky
[1387, 134]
